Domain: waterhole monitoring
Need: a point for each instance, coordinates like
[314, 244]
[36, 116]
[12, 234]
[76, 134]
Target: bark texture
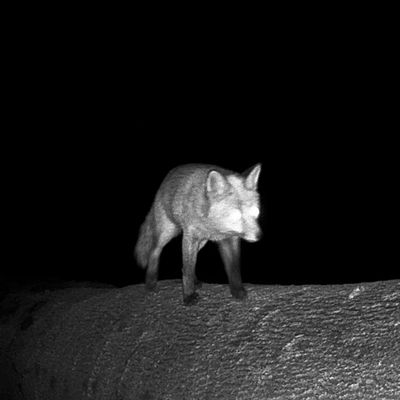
[283, 342]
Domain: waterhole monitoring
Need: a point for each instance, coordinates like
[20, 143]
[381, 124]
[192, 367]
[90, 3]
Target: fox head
[234, 203]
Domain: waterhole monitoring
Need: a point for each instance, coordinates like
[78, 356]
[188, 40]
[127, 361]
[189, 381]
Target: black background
[96, 117]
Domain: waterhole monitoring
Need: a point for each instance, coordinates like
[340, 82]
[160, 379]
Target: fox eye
[235, 214]
[253, 211]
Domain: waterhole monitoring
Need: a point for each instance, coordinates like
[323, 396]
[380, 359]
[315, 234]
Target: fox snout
[254, 235]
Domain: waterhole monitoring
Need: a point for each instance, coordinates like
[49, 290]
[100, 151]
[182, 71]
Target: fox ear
[216, 183]
[251, 179]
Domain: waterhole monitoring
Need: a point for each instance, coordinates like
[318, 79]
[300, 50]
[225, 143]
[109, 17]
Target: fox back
[205, 202]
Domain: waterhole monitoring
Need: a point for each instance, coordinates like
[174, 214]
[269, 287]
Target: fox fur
[204, 202]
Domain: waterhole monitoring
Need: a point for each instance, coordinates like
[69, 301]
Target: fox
[203, 203]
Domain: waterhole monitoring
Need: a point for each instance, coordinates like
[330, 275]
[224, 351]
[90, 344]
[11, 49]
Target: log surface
[283, 342]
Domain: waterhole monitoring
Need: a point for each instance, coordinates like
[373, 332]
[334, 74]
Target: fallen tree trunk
[283, 342]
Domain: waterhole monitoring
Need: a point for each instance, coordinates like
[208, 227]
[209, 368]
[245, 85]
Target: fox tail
[144, 243]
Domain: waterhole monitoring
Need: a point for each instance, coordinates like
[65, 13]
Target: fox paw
[239, 293]
[151, 286]
[191, 299]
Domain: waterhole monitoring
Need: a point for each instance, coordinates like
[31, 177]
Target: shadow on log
[283, 342]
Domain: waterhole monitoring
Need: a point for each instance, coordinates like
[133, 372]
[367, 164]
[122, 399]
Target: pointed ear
[251, 180]
[216, 183]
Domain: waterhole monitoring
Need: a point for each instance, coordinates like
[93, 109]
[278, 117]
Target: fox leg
[190, 247]
[197, 282]
[169, 231]
[230, 253]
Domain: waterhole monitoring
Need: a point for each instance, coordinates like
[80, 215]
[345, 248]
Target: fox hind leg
[168, 231]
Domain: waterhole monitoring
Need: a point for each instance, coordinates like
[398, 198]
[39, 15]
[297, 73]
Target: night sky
[93, 136]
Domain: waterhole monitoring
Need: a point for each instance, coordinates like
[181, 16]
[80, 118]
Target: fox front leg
[190, 247]
[230, 253]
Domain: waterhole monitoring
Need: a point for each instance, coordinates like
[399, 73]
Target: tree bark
[282, 342]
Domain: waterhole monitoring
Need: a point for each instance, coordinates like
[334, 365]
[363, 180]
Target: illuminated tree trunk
[283, 342]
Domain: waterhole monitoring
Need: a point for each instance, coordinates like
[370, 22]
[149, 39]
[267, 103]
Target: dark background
[97, 118]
